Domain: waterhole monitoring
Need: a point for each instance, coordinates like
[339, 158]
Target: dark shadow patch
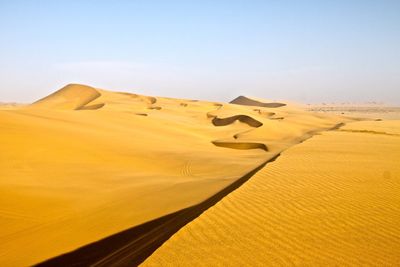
[242, 118]
[240, 145]
[156, 108]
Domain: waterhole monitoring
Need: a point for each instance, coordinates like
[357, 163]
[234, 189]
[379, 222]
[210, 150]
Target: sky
[304, 51]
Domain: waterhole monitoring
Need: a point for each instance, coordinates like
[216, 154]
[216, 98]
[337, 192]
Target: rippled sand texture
[333, 200]
[85, 163]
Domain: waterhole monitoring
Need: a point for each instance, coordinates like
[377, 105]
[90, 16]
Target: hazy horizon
[307, 52]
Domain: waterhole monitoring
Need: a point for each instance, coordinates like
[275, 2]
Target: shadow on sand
[134, 245]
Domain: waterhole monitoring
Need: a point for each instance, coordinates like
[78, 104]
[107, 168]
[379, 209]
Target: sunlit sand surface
[333, 200]
[84, 163]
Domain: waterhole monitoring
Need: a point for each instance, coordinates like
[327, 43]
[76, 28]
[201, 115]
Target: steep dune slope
[86, 163]
[70, 97]
[331, 201]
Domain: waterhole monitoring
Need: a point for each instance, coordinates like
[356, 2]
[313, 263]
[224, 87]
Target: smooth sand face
[86, 163]
[331, 201]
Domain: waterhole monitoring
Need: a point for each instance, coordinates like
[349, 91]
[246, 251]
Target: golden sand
[85, 163]
[333, 200]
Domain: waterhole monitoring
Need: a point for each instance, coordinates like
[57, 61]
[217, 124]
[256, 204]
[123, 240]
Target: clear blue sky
[308, 51]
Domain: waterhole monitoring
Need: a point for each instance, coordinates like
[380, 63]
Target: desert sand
[84, 163]
[94, 177]
[333, 200]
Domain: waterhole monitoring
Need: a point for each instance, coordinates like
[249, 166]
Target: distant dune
[242, 100]
[94, 177]
[72, 96]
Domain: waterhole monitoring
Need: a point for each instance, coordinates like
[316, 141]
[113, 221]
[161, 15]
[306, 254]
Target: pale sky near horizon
[306, 51]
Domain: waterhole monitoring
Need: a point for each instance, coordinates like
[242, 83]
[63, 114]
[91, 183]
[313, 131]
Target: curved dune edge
[240, 145]
[242, 118]
[92, 107]
[242, 100]
[132, 246]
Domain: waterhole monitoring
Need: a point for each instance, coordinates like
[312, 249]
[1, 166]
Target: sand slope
[333, 200]
[85, 163]
[72, 96]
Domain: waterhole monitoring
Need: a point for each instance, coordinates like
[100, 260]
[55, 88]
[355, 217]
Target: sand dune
[242, 100]
[332, 200]
[112, 176]
[84, 164]
[72, 96]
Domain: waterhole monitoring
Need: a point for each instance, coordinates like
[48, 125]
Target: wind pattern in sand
[333, 200]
